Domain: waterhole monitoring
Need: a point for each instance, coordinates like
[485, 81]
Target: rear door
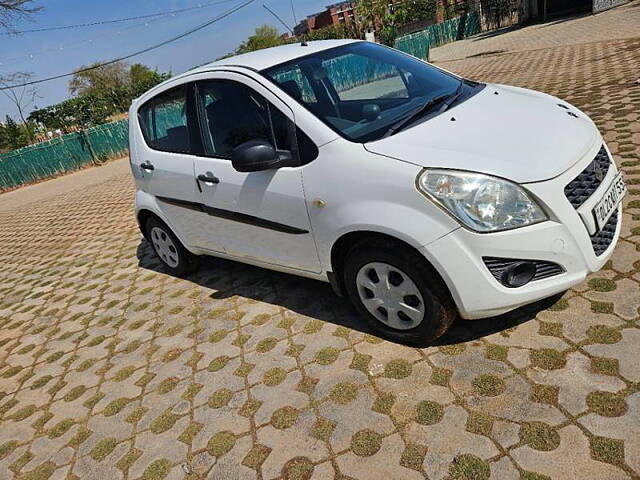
[258, 215]
[165, 160]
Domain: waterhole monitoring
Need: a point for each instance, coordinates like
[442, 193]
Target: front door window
[235, 114]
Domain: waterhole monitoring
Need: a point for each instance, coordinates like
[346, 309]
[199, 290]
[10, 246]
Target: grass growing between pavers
[365, 443]
[323, 429]
[284, 417]
[384, 403]
[429, 413]
[607, 404]
[157, 470]
[274, 376]
[469, 467]
[603, 334]
[327, 355]
[397, 369]
[221, 443]
[488, 385]
[343, 393]
[605, 366]
[547, 394]
[548, 359]
[539, 436]
[103, 448]
[479, 423]
[607, 450]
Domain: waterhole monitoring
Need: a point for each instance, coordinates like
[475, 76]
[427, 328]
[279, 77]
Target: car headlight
[481, 202]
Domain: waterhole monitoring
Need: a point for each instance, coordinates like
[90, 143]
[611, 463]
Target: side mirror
[258, 155]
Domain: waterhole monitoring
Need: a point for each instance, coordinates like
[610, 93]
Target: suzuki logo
[599, 174]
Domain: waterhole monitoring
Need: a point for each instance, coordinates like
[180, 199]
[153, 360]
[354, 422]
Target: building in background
[341, 13]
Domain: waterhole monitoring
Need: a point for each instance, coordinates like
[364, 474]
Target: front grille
[583, 186]
[543, 269]
[601, 240]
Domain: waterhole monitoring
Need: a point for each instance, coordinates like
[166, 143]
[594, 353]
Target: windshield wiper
[417, 113]
[445, 106]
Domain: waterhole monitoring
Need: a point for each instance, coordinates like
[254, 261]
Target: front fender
[350, 189]
[403, 222]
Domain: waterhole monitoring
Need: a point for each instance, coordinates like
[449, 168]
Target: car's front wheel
[177, 259]
[398, 293]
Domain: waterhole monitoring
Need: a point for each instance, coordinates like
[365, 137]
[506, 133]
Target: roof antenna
[303, 44]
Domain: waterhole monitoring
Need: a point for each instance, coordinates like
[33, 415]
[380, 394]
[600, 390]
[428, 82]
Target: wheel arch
[344, 243]
[142, 217]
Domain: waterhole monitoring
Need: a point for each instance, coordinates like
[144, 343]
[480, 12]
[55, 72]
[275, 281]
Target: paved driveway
[109, 368]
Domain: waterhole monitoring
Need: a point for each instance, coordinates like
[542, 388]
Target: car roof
[269, 57]
[258, 60]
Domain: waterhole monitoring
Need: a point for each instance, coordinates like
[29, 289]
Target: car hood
[509, 132]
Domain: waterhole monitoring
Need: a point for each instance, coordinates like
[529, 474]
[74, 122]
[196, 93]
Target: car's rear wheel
[177, 259]
[398, 292]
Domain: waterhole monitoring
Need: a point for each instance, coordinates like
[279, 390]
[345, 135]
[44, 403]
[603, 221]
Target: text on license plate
[610, 201]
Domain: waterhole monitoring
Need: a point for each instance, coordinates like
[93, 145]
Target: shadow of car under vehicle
[316, 300]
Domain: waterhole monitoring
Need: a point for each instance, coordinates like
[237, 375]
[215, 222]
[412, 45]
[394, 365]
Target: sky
[55, 52]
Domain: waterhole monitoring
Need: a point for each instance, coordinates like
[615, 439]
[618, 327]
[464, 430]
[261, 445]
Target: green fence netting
[109, 140]
[454, 29]
[63, 154]
[418, 43]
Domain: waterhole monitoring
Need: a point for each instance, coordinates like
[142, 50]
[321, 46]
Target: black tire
[187, 262]
[440, 309]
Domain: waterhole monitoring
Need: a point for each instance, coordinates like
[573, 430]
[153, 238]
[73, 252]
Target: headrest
[292, 88]
[320, 73]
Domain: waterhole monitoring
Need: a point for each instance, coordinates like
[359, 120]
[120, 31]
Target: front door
[259, 215]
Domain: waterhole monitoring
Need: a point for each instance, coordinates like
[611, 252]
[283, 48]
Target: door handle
[147, 166]
[208, 178]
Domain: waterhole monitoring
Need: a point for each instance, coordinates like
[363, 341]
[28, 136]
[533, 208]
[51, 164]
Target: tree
[386, 17]
[104, 90]
[13, 10]
[418, 10]
[4, 144]
[377, 15]
[99, 97]
[22, 97]
[265, 36]
[333, 32]
[142, 78]
[98, 78]
[12, 135]
[370, 11]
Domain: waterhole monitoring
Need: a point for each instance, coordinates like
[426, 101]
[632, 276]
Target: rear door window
[164, 121]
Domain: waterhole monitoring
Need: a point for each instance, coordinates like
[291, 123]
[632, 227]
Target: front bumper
[565, 239]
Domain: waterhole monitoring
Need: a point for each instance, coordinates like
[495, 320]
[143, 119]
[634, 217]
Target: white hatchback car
[416, 193]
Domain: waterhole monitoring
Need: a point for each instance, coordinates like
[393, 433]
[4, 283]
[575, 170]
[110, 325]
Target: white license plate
[610, 201]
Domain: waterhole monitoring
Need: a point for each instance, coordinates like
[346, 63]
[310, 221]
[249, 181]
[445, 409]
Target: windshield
[362, 89]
